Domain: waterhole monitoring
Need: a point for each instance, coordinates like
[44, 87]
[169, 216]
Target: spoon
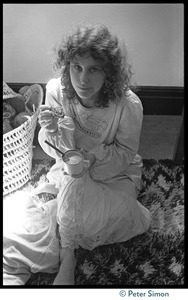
[55, 148]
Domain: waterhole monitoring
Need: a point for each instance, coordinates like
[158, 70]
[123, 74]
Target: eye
[95, 69]
[77, 67]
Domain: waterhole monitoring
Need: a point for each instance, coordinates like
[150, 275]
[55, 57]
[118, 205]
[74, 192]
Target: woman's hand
[47, 119]
[88, 156]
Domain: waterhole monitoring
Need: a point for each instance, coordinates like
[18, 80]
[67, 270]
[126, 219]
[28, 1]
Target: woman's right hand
[47, 119]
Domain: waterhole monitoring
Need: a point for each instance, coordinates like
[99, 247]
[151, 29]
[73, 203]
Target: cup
[74, 162]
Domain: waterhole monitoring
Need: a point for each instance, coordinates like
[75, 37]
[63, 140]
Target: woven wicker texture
[8, 92]
[18, 149]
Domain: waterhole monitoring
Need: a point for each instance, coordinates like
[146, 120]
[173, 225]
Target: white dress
[100, 207]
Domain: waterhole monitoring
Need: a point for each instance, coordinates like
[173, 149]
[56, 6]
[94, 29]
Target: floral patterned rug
[153, 258]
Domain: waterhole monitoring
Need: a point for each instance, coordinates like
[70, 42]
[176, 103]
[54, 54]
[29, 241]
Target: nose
[84, 78]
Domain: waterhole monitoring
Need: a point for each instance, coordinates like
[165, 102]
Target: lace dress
[100, 207]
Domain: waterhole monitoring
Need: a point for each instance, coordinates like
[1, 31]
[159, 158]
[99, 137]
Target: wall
[153, 34]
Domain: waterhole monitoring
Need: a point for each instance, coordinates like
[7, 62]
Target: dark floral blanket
[151, 259]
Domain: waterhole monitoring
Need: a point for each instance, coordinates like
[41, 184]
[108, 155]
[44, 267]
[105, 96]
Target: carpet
[151, 259]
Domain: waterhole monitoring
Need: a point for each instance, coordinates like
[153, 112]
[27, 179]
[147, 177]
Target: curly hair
[104, 47]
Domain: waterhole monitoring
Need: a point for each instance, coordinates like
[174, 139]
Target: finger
[45, 118]
[45, 107]
[45, 123]
[45, 113]
[83, 152]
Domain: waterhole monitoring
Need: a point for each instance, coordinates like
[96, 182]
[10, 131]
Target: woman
[103, 118]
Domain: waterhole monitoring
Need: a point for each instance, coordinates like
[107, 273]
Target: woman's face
[87, 78]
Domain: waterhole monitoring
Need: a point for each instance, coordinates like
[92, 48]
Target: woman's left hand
[88, 156]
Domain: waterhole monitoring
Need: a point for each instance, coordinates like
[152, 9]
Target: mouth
[83, 88]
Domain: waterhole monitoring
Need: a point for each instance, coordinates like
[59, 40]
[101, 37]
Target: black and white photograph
[93, 147]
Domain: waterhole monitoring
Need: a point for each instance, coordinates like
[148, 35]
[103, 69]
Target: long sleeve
[117, 157]
[63, 137]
